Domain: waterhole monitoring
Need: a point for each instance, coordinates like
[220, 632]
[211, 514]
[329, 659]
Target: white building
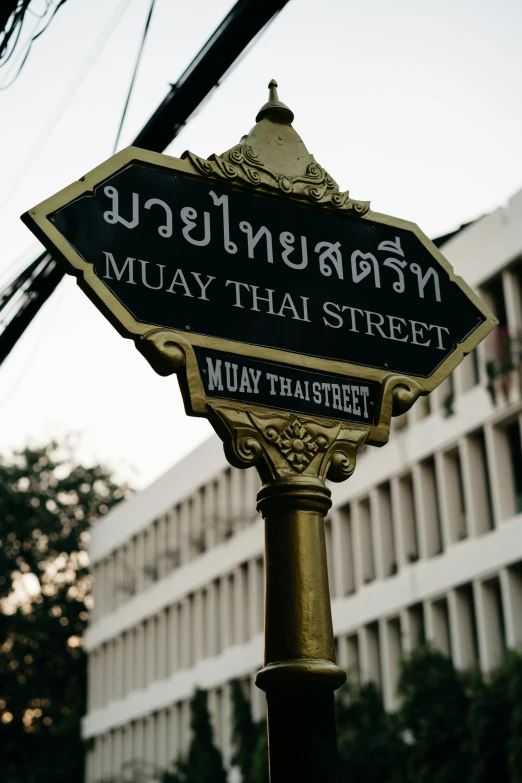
[425, 540]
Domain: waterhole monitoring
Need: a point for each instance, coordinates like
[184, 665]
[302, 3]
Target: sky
[412, 104]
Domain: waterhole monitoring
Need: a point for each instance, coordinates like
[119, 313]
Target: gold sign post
[293, 456]
[298, 321]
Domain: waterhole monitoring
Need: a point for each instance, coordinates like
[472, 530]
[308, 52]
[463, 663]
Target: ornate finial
[274, 109]
[273, 157]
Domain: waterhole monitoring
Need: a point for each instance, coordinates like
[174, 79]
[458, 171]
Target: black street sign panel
[196, 256]
[273, 385]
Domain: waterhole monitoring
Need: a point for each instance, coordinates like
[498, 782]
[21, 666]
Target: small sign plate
[275, 385]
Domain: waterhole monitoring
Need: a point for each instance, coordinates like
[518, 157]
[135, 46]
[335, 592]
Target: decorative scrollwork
[295, 443]
[243, 163]
[164, 349]
[399, 394]
[281, 444]
[342, 462]
[250, 449]
[273, 157]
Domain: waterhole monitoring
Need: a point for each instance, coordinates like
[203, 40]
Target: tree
[370, 748]
[513, 666]
[488, 727]
[204, 763]
[249, 739]
[47, 503]
[245, 732]
[433, 717]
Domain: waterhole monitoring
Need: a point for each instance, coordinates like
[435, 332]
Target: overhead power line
[26, 295]
[134, 73]
[237, 30]
[65, 100]
[32, 289]
[12, 18]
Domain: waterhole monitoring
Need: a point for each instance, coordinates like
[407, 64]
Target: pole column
[299, 673]
[294, 455]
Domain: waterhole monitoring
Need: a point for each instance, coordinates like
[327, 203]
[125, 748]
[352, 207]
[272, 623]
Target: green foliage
[248, 738]
[169, 776]
[47, 502]
[488, 728]
[204, 763]
[244, 731]
[259, 769]
[449, 728]
[433, 715]
[369, 746]
[513, 666]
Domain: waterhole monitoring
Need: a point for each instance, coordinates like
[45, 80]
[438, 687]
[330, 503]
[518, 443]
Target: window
[440, 631]
[429, 499]
[345, 522]
[494, 632]
[198, 540]
[484, 517]
[372, 664]
[476, 366]
[230, 607]
[417, 629]
[384, 530]
[423, 408]
[493, 293]
[260, 591]
[180, 633]
[366, 541]
[516, 271]
[497, 346]
[242, 609]
[446, 396]
[218, 643]
[515, 453]
[224, 520]
[392, 629]
[172, 640]
[196, 531]
[329, 555]
[190, 625]
[455, 499]
[352, 657]
[204, 625]
[468, 372]
[466, 625]
[408, 520]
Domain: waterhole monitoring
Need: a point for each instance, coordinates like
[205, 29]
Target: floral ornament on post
[296, 444]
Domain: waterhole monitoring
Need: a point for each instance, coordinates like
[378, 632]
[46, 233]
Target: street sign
[232, 254]
[298, 321]
[186, 254]
[229, 377]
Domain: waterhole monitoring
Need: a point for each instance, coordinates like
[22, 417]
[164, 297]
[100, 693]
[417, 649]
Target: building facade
[423, 542]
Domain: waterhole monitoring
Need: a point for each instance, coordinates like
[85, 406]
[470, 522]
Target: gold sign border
[169, 350]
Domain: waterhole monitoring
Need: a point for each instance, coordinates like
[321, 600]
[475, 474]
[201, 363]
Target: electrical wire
[136, 66]
[66, 99]
[42, 334]
[241, 25]
[15, 267]
[18, 20]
